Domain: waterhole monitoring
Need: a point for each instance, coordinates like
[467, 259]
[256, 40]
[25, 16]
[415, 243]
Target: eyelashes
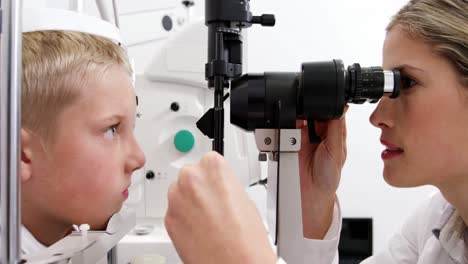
[407, 82]
[111, 131]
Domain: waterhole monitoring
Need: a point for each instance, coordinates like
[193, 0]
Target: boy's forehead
[112, 93]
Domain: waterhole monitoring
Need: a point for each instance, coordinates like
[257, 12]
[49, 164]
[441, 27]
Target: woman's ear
[26, 155]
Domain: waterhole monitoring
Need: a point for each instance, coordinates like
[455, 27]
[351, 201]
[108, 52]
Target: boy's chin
[102, 223]
[100, 226]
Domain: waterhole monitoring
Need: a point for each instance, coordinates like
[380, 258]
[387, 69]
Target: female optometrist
[425, 132]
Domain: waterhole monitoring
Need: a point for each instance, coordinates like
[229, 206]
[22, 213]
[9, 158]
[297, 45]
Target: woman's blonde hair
[443, 24]
[57, 66]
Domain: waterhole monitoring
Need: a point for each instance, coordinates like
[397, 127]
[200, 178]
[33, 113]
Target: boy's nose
[137, 158]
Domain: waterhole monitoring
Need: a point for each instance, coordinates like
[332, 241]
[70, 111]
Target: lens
[327, 87]
[255, 97]
[248, 101]
[322, 90]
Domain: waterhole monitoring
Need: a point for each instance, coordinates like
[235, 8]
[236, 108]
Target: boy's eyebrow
[114, 117]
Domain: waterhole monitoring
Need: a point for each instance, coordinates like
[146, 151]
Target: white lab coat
[435, 233]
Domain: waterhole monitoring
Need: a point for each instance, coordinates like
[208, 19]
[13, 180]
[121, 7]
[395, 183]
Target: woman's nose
[381, 117]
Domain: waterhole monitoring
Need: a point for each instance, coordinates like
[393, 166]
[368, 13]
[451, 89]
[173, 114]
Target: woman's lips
[392, 150]
[389, 154]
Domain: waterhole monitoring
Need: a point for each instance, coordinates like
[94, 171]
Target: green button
[184, 141]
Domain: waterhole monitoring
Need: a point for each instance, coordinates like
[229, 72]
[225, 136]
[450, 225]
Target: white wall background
[320, 30]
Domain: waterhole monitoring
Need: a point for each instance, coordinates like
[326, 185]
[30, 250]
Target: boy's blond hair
[57, 66]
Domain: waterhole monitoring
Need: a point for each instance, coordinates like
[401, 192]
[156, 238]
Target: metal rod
[112, 256]
[218, 142]
[116, 13]
[10, 122]
[103, 11]
[218, 116]
[77, 5]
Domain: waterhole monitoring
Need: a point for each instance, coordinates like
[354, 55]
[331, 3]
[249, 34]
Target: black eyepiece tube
[370, 84]
[321, 91]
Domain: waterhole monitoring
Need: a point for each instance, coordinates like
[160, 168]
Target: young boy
[78, 150]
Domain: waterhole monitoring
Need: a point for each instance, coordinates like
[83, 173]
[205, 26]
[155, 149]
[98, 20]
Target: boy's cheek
[93, 205]
[95, 177]
[93, 182]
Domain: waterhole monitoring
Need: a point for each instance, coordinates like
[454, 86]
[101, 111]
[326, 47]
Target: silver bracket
[284, 211]
[267, 139]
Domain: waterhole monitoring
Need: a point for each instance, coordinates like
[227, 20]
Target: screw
[293, 141]
[262, 157]
[267, 141]
[175, 106]
[188, 3]
[150, 175]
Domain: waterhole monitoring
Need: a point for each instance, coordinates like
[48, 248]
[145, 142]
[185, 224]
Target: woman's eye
[407, 82]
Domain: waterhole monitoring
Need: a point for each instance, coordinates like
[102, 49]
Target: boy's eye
[111, 131]
[407, 82]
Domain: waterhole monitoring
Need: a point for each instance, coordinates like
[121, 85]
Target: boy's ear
[26, 155]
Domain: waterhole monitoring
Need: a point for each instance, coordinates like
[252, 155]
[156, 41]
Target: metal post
[112, 256]
[10, 120]
[77, 5]
[116, 13]
[218, 115]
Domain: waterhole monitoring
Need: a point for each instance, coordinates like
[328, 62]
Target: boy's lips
[125, 193]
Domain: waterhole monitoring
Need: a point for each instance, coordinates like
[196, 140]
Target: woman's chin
[398, 179]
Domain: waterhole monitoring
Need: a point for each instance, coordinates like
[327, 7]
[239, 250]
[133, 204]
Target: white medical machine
[173, 95]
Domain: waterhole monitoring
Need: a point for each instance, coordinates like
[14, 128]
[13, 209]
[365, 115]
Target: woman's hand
[320, 168]
[211, 219]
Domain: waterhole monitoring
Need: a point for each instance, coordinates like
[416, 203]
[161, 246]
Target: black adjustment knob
[265, 20]
[150, 175]
[167, 23]
[175, 106]
[188, 3]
